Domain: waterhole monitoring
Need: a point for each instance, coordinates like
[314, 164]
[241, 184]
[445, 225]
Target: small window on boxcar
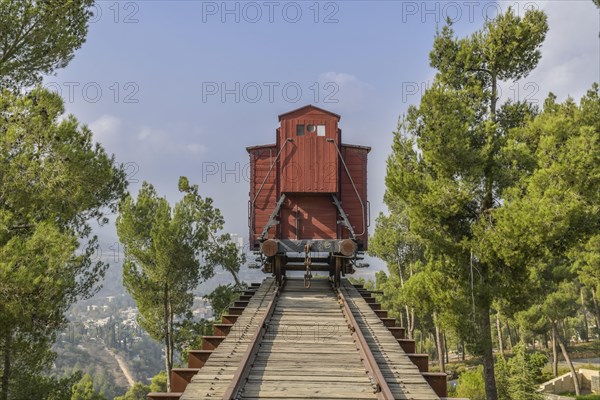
[320, 130]
[311, 128]
[299, 130]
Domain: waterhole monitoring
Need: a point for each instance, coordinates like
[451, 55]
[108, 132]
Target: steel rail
[241, 374]
[382, 390]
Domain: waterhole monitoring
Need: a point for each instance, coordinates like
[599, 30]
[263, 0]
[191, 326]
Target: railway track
[308, 351]
[293, 342]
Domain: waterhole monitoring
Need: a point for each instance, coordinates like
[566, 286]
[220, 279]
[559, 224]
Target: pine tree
[84, 390]
[449, 161]
[39, 37]
[54, 181]
[168, 252]
[521, 381]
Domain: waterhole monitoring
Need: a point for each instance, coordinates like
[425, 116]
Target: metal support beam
[272, 221]
[345, 221]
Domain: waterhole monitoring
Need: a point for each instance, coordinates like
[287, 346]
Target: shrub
[471, 385]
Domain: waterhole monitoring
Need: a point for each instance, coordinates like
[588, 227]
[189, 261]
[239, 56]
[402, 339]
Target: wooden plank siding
[356, 161]
[308, 216]
[308, 172]
[261, 159]
[309, 163]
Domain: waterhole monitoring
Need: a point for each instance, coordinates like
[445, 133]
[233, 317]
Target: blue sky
[149, 80]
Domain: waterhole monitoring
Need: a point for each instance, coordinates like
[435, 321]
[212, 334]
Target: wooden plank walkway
[309, 353]
[308, 350]
[217, 372]
[402, 376]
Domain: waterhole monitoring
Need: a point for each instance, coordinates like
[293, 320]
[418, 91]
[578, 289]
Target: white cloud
[571, 52]
[105, 128]
[144, 133]
[196, 148]
[341, 79]
[158, 140]
[348, 89]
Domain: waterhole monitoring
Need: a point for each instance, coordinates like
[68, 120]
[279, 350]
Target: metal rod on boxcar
[267, 176]
[362, 205]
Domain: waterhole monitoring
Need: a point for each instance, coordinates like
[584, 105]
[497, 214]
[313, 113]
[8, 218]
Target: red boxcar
[308, 204]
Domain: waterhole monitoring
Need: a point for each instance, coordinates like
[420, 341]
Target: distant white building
[238, 240]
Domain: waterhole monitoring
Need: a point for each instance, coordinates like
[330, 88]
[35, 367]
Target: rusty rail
[382, 390]
[241, 374]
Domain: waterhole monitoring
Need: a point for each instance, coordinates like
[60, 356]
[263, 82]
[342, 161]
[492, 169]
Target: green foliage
[401, 250]
[228, 256]
[549, 221]
[27, 386]
[470, 385]
[453, 160]
[168, 252]
[502, 372]
[159, 382]
[222, 298]
[522, 373]
[515, 377]
[84, 390]
[368, 284]
[188, 335]
[39, 37]
[536, 363]
[138, 391]
[561, 303]
[54, 180]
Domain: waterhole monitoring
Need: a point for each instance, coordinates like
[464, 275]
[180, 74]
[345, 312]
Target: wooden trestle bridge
[317, 343]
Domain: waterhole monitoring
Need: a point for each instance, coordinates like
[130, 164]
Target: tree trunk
[407, 326]
[499, 329]
[491, 392]
[446, 348]
[7, 364]
[494, 99]
[238, 284]
[457, 350]
[463, 351]
[570, 364]
[596, 308]
[437, 348]
[171, 334]
[168, 365]
[439, 344]
[585, 320]
[411, 324]
[509, 336]
[554, 352]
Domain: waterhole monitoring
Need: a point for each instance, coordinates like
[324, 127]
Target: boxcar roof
[260, 146]
[307, 108]
[357, 146]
